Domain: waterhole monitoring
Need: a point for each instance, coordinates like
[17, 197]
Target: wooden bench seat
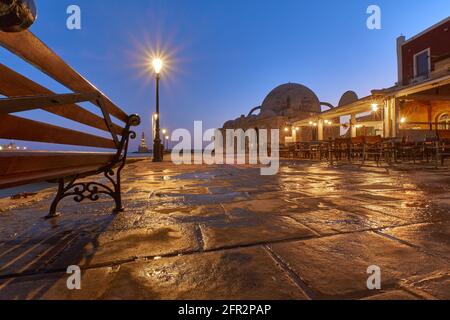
[23, 94]
[19, 168]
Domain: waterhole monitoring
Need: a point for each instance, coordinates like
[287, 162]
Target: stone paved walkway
[198, 232]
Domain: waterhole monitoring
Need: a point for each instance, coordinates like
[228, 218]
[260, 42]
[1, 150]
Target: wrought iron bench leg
[81, 191]
[58, 197]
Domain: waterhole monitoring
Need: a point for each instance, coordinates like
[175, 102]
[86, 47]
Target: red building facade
[425, 56]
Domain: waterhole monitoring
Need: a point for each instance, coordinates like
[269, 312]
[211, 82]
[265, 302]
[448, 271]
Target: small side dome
[229, 124]
[348, 98]
[239, 122]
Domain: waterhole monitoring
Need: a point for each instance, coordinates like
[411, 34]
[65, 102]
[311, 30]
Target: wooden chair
[318, 150]
[373, 147]
[388, 149]
[408, 150]
[340, 148]
[443, 148]
[284, 151]
[303, 150]
[357, 148]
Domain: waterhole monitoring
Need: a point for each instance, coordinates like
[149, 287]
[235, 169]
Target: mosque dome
[240, 122]
[267, 114]
[347, 98]
[289, 98]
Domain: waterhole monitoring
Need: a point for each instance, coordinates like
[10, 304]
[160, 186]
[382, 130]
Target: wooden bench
[65, 168]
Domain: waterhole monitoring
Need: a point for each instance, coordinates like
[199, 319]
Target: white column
[394, 117]
[294, 135]
[400, 42]
[386, 122]
[320, 130]
[353, 125]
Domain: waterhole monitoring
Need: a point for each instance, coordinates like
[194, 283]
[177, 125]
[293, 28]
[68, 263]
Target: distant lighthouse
[143, 146]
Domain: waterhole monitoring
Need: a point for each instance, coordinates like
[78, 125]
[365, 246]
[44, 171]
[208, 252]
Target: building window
[422, 63]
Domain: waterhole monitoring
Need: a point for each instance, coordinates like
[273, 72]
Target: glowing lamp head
[403, 120]
[17, 15]
[375, 107]
[164, 131]
[167, 137]
[286, 129]
[157, 65]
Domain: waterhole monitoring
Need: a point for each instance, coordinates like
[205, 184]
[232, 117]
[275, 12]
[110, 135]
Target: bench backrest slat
[18, 128]
[15, 180]
[27, 162]
[19, 94]
[13, 84]
[33, 50]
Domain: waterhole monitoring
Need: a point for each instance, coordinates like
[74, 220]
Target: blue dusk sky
[225, 55]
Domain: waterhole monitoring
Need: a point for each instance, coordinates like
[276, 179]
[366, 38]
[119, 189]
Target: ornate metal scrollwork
[81, 191]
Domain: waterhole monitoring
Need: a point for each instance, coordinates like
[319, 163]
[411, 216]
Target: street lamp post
[164, 132]
[167, 143]
[157, 154]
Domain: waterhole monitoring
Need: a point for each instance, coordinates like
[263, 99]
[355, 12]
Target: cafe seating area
[431, 149]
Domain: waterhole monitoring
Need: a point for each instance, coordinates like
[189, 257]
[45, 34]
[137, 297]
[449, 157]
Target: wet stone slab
[334, 221]
[244, 227]
[430, 237]
[414, 212]
[393, 295]
[433, 286]
[110, 248]
[337, 266]
[249, 274]
[226, 232]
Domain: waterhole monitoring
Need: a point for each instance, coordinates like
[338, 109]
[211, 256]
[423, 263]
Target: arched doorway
[257, 141]
[443, 121]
